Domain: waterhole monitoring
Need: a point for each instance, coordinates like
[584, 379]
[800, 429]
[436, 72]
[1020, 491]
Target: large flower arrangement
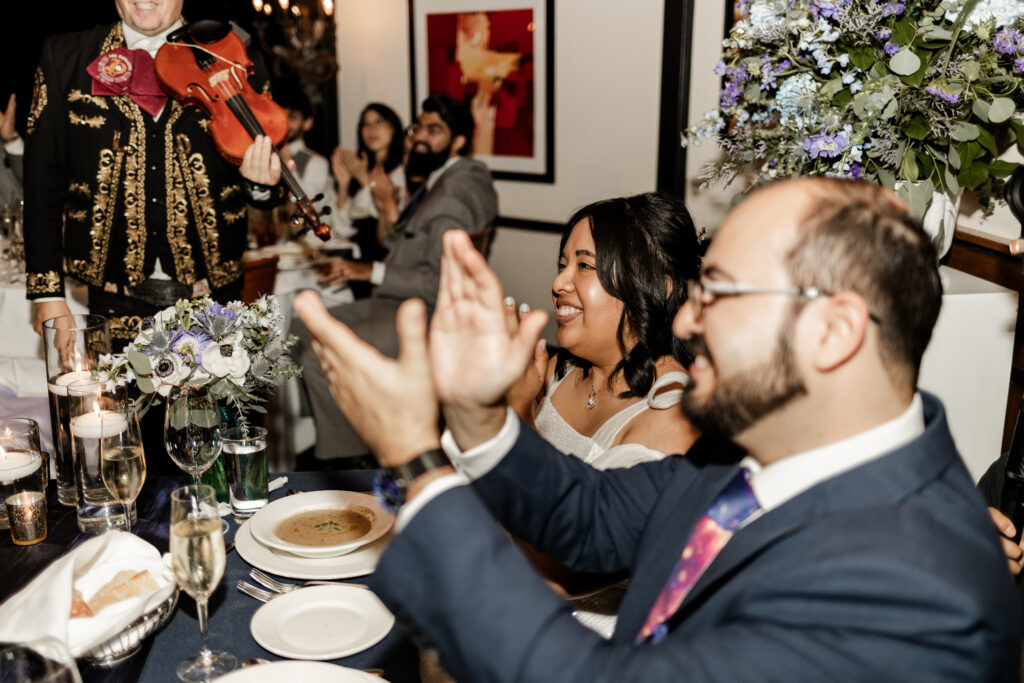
[237, 352]
[921, 92]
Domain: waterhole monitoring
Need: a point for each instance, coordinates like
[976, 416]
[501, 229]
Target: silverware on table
[285, 587]
[252, 591]
[228, 546]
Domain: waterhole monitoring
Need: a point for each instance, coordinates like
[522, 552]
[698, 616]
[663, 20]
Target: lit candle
[27, 513]
[60, 385]
[99, 424]
[15, 464]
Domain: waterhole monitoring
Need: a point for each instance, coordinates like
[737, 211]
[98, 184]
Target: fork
[253, 592]
[284, 587]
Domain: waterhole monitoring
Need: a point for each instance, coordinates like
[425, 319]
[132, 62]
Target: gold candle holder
[27, 514]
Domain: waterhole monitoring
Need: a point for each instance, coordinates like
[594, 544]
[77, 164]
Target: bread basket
[129, 640]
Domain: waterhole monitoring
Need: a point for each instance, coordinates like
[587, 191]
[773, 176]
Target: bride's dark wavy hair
[646, 248]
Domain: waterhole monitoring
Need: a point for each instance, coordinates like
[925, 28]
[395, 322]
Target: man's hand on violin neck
[261, 164]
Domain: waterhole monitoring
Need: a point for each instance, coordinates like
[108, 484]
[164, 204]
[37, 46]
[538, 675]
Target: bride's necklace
[592, 399]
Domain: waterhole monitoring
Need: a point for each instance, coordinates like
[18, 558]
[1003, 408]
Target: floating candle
[99, 424]
[59, 386]
[15, 464]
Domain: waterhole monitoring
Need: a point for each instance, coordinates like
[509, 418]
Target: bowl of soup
[320, 523]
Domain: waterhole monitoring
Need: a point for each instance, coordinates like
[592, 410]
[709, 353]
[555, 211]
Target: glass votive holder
[27, 514]
[20, 470]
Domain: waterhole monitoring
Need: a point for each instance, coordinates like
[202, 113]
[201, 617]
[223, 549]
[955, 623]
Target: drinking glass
[192, 430]
[123, 465]
[72, 345]
[197, 553]
[44, 660]
[23, 466]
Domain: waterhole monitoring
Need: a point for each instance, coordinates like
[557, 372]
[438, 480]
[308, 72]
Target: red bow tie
[128, 72]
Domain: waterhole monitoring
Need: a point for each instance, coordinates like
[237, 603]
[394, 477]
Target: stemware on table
[192, 430]
[198, 556]
[123, 467]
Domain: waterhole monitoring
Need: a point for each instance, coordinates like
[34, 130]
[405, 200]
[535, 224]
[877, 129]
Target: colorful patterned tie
[713, 530]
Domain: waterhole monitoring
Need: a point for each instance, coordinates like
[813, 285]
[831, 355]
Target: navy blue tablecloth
[230, 611]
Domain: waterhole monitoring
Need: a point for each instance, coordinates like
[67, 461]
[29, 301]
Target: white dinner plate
[307, 672]
[321, 622]
[262, 524]
[356, 563]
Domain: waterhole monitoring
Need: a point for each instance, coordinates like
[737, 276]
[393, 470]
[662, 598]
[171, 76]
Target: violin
[205, 63]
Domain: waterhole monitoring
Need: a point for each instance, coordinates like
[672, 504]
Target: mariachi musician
[124, 188]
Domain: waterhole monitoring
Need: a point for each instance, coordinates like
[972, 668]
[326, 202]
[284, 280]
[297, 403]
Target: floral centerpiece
[237, 352]
[918, 96]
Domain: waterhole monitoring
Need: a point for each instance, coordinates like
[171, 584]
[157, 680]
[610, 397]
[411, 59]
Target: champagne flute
[123, 463]
[192, 431]
[197, 553]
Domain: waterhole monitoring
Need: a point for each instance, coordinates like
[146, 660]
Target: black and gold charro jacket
[108, 189]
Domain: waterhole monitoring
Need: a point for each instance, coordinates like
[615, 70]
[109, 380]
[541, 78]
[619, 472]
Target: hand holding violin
[259, 163]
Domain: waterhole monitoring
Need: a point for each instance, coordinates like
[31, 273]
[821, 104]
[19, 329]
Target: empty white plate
[307, 672]
[263, 523]
[359, 562]
[321, 622]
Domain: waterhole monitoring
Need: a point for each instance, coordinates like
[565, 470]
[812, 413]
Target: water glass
[22, 465]
[245, 463]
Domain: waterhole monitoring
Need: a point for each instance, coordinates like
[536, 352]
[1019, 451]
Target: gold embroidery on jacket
[114, 39]
[91, 121]
[79, 188]
[39, 101]
[177, 208]
[107, 176]
[197, 186]
[42, 283]
[233, 216]
[77, 95]
[134, 181]
[230, 191]
[79, 216]
[124, 326]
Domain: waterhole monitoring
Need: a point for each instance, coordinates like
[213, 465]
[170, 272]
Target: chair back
[258, 277]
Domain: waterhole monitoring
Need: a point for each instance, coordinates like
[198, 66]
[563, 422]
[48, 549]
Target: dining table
[230, 610]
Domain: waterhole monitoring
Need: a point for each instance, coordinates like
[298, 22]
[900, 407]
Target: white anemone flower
[227, 358]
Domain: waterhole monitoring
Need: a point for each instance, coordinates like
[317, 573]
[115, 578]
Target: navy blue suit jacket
[890, 571]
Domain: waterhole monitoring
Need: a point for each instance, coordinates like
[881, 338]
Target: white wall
[607, 91]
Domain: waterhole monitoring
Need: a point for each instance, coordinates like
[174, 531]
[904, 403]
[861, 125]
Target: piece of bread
[78, 606]
[126, 584]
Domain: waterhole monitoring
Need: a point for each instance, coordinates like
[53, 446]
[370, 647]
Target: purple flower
[1018, 65]
[1007, 41]
[189, 346]
[826, 144]
[829, 9]
[894, 9]
[855, 171]
[883, 33]
[215, 309]
[942, 94]
[733, 90]
[891, 48]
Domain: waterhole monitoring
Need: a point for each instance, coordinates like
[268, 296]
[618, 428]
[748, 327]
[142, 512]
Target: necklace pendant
[591, 402]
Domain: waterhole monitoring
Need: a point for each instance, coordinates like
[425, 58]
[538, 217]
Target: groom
[850, 544]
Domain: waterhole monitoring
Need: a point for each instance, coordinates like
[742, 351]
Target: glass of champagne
[123, 464]
[197, 552]
[192, 431]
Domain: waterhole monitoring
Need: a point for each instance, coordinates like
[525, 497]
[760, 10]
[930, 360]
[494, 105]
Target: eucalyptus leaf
[176, 413]
[886, 178]
[963, 131]
[920, 194]
[972, 70]
[974, 176]
[890, 109]
[204, 418]
[145, 384]
[140, 362]
[954, 157]
[951, 182]
[862, 57]
[916, 128]
[1002, 109]
[937, 34]
[986, 140]
[904, 63]
[910, 170]
[980, 109]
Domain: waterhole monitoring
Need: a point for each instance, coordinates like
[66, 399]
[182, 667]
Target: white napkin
[43, 607]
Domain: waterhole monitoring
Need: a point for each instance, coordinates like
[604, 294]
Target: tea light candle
[99, 424]
[27, 514]
[60, 385]
[15, 464]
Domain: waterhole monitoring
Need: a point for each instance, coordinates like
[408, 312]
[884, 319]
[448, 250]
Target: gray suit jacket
[463, 198]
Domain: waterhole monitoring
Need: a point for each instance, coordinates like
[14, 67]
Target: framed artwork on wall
[496, 56]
